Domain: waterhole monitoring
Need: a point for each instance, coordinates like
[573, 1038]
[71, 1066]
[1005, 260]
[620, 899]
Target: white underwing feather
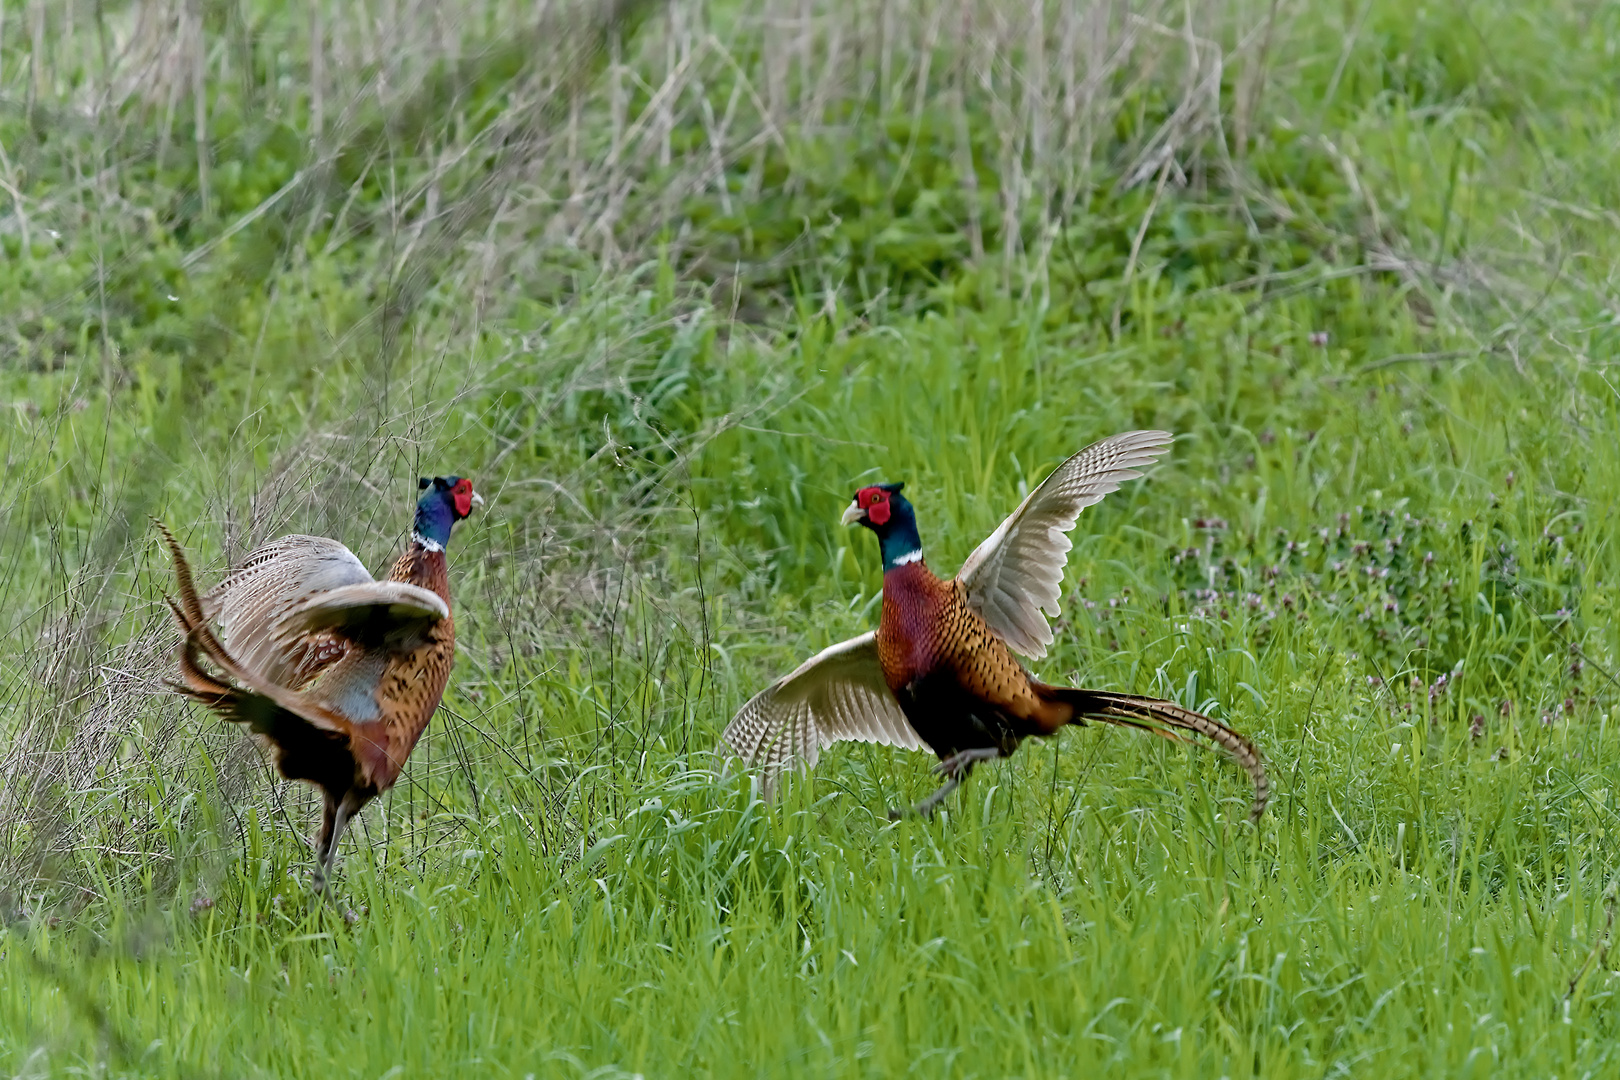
[1014, 579]
[837, 695]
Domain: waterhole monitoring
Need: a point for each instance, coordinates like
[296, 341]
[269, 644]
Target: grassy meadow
[669, 281]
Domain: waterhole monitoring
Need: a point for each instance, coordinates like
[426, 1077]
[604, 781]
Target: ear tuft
[422, 483]
[893, 489]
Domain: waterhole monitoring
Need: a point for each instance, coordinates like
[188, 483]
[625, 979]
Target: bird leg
[333, 821]
[957, 767]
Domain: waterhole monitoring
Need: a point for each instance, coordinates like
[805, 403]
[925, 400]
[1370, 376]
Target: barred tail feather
[197, 683]
[1167, 719]
[189, 610]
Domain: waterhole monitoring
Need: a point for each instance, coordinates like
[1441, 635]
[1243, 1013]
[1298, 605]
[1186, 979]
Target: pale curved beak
[852, 514]
[477, 499]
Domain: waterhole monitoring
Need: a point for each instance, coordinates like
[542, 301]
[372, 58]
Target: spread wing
[1016, 574]
[288, 611]
[249, 603]
[837, 695]
[253, 599]
[386, 613]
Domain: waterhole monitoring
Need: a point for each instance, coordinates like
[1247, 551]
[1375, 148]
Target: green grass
[1380, 315]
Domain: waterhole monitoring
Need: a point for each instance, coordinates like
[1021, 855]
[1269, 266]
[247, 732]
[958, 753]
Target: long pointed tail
[198, 636]
[1168, 720]
[195, 682]
[189, 611]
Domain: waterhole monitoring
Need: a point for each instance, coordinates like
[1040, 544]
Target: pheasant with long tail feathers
[340, 673]
[939, 671]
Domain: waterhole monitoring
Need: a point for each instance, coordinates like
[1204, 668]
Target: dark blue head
[886, 512]
[445, 500]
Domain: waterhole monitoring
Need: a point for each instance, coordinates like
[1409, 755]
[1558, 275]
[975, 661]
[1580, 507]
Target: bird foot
[961, 763]
[956, 767]
[926, 807]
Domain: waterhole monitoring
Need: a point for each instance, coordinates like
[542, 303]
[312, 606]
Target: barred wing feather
[253, 599]
[1014, 579]
[298, 586]
[372, 612]
[837, 695]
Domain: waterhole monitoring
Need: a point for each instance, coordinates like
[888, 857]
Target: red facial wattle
[874, 504]
[463, 493]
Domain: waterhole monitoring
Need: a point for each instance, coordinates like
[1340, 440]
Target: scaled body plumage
[957, 682]
[943, 650]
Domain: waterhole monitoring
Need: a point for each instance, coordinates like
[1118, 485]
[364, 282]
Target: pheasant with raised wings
[939, 671]
[340, 673]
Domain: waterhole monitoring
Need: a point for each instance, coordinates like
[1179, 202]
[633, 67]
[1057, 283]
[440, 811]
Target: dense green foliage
[668, 292]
